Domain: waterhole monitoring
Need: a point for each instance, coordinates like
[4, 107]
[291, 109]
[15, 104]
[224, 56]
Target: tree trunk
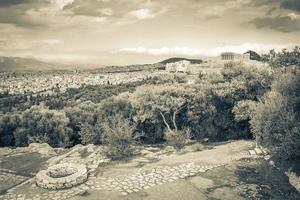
[165, 122]
[174, 120]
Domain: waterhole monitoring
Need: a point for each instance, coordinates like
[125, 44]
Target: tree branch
[174, 119]
[165, 122]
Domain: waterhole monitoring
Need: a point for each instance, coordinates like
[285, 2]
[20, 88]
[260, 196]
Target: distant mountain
[172, 60]
[25, 64]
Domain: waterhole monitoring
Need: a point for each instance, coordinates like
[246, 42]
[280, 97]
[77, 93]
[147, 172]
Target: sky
[121, 32]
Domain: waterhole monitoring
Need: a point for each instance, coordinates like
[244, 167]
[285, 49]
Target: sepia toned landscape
[152, 100]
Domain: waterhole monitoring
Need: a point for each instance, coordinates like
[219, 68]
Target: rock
[42, 148]
[145, 152]
[152, 149]
[258, 151]
[252, 152]
[202, 183]
[194, 147]
[90, 148]
[169, 149]
[294, 180]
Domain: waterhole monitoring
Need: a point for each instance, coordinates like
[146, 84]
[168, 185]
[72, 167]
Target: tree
[160, 104]
[285, 58]
[8, 124]
[276, 118]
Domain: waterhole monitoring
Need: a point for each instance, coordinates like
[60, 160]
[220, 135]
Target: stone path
[145, 180]
[125, 185]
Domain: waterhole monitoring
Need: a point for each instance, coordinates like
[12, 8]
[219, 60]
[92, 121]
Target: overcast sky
[143, 31]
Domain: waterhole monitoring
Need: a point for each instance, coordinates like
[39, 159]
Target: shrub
[177, 139]
[8, 124]
[91, 124]
[39, 124]
[275, 120]
[118, 136]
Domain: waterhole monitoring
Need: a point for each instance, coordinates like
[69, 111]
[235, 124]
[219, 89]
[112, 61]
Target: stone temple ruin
[62, 176]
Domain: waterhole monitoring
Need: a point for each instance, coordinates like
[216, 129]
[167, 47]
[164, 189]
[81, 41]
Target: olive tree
[160, 104]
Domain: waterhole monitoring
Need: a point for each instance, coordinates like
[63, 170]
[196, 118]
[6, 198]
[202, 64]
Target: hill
[25, 64]
[254, 55]
[172, 60]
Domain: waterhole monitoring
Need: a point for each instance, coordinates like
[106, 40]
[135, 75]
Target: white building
[230, 56]
[182, 66]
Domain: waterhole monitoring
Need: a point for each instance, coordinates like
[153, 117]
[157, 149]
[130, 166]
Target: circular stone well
[62, 176]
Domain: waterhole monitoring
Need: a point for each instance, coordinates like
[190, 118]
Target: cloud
[106, 11]
[288, 23]
[143, 14]
[7, 3]
[52, 41]
[60, 4]
[209, 10]
[291, 5]
[187, 51]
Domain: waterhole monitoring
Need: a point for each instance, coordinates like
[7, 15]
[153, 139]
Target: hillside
[176, 59]
[25, 64]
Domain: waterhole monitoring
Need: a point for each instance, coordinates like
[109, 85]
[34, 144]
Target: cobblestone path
[125, 185]
[145, 180]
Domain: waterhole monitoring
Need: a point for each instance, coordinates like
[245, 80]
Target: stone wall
[62, 176]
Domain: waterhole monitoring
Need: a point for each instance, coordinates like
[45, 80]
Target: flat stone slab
[252, 152]
[258, 151]
[201, 183]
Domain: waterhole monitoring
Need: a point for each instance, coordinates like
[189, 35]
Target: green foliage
[118, 136]
[215, 111]
[285, 58]
[243, 110]
[94, 115]
[82, 120]
[178, 138]
[249, 81]
[8, 124]
[40, 124]
[275, 121]
[201, 113]
[157, 106]
[254, 55]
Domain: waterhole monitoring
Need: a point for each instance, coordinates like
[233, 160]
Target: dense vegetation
[243, 101]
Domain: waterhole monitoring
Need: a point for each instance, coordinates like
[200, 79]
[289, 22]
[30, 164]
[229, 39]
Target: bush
[118, 136]
[39, 124]
[8, 124]
[177, 139]
[94, 115]
[275, 120]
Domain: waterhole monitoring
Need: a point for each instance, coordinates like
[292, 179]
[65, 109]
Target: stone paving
[145, 180]
[125, 185]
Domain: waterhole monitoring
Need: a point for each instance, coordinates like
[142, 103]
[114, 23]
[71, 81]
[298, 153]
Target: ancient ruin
[62, 176]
